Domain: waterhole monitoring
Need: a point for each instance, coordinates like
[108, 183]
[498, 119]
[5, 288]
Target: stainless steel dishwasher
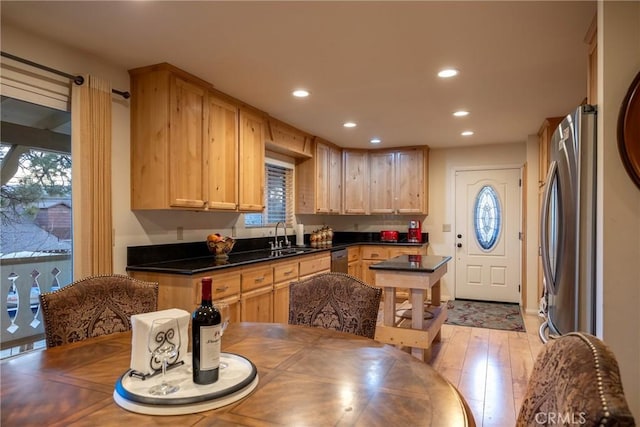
[339, 260]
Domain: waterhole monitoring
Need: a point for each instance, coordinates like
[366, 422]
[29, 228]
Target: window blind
[278, 198]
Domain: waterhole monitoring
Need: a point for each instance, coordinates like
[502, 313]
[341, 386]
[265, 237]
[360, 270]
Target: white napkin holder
[140, 328]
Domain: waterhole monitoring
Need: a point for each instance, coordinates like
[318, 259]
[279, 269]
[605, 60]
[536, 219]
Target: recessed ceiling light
[461, 113]
[467, 133]
[349, 124]
[448, 72]
[375, 140]
[300, 93]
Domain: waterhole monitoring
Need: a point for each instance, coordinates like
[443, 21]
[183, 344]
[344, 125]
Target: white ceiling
[371, 62]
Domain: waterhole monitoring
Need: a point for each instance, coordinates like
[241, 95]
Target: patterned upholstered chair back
[335, 301]
[94, 306]
[575, 381]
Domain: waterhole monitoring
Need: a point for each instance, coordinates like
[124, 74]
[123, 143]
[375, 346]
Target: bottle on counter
[206, 334]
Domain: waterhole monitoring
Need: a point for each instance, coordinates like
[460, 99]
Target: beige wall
[442, 165]
[618, 266]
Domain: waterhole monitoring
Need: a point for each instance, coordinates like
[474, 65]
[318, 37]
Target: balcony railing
[22, 281]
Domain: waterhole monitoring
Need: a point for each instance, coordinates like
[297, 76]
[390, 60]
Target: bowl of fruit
[220, 245]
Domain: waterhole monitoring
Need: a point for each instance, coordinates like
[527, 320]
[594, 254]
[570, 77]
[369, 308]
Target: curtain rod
[79, 80]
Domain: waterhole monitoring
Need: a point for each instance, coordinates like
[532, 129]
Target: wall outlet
[180, 233]
[446, 228]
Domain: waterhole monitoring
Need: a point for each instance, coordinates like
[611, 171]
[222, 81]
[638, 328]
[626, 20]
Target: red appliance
[388, 236]
[414, 234]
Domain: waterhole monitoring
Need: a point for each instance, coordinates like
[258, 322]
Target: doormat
[482, 314]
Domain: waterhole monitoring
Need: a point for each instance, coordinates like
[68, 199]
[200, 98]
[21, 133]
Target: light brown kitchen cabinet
[353, 261]
[591, 39]
[370, 255]
[328, 179]
[355, 195]
[319, 180]
[222, 154]
[373, 254]
[545, 132]
[398, 181]
[185, 292]
[313, 264]
[251, 160]
[283, 274]
[191, 147]
[256, 293]
[168, 110]
[382, 190]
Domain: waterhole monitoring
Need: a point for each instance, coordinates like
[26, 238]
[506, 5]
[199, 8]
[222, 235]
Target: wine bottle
[205, 334]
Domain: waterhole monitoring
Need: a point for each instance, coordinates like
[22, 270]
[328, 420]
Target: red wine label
[209, 347]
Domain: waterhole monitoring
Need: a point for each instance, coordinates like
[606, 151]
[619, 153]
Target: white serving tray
[235, 381]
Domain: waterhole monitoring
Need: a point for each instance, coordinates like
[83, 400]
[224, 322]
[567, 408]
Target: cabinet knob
[459, 245]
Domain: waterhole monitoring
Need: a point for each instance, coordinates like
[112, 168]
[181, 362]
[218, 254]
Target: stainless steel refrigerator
[568, 226]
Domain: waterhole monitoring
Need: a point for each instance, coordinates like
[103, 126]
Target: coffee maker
[414, 234]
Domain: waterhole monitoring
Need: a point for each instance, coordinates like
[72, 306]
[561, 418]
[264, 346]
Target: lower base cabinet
[259, 293]
[257, 305]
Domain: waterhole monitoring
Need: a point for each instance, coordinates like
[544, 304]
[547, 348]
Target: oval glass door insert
[487, 218]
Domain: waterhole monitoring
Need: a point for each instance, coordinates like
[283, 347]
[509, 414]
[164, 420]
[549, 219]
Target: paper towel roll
[300, 234]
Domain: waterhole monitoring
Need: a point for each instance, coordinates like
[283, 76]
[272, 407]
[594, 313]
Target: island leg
[417, 319]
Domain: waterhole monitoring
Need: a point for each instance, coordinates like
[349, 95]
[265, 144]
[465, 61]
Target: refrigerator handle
[544, 223]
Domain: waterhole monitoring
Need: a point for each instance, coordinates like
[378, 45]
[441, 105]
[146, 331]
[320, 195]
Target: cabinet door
[222, 155]
[257, 305]
[409, 186]
[382, 190]
[356, 182]
[328, 179]
[335, 181]
[187, 103]
[367, 275]
[353, 269]
[251, 176]
[281, 303]
[323, 178]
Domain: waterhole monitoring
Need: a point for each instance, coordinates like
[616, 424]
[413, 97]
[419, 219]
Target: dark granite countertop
[413, 263]
[194, 257]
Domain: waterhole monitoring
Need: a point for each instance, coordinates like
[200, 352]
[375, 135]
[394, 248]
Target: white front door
[487, 235]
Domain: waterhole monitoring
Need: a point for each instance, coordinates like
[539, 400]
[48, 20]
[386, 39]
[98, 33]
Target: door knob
[459, 245]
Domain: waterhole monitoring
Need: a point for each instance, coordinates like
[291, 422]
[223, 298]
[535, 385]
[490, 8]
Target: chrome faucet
[278, 244]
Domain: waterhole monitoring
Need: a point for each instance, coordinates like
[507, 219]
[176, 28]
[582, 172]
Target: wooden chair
[335, 301]
[575, 380]
[94, 306]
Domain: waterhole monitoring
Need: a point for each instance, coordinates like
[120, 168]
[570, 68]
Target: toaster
[388, 236]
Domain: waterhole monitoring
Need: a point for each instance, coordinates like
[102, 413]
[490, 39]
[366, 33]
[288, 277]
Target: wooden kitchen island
[418, 274]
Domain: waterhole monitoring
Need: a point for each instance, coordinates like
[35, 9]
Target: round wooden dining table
[307, 377]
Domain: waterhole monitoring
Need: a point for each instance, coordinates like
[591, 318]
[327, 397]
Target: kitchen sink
[287, 251]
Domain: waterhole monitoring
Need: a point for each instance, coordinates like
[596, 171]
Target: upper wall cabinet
[545, 133]
[398, 181]
[329, 179]
[168, 109]
[319, 180]
[252, 146]
[355, 182]
[192, 147]
[222, 154]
